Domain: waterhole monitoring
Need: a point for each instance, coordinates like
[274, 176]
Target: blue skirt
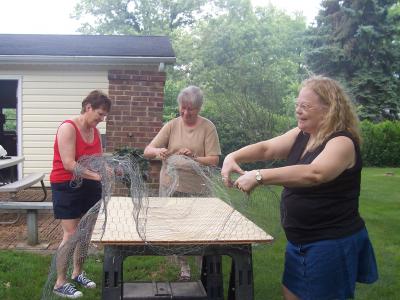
[329, 269]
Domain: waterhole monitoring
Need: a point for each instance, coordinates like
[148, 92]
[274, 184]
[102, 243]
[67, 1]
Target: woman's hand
[230, 166]
[247, 182]
[162, 153]
[186, 152]
[97, 177]
[89, 174]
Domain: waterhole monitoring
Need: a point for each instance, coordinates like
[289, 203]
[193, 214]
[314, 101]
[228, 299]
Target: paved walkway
[14, 236]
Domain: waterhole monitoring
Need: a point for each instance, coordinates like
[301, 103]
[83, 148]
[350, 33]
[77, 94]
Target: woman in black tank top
[327, 238]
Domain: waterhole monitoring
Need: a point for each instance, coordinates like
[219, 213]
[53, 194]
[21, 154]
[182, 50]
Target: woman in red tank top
[76, 137]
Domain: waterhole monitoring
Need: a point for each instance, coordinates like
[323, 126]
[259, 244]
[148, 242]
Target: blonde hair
[340, 116]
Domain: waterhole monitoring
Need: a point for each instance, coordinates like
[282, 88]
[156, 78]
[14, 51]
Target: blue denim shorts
[329, 269]
[71, 202]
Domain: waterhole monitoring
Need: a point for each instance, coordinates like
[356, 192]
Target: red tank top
[58, 173]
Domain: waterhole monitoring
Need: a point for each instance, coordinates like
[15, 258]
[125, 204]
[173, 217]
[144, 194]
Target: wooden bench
[31, 207]
[31, 216]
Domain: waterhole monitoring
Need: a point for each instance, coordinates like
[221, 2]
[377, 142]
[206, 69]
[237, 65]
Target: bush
[241, 121]
[381, 143]
[136, 156]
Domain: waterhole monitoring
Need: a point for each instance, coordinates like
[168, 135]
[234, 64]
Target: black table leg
[211, 277]
[112, 273]
[241, 278]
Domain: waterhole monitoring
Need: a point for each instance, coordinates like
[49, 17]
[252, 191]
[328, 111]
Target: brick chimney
[136, 114]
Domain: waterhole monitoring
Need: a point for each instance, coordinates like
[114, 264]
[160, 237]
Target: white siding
[48, 98]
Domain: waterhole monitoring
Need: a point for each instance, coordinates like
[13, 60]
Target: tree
[145, 17]
[248, 62]
[354, 42]
[257, 55]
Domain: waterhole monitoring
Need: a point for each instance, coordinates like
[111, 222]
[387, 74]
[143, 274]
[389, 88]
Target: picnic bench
[26, 182]
[31, 208]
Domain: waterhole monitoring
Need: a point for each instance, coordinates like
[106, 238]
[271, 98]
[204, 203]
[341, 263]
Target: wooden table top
[180, 221]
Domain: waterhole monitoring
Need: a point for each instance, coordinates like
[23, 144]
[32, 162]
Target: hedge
[381, 143]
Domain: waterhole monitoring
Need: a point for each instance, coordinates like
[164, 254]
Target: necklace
[87, 135]
[86, 132]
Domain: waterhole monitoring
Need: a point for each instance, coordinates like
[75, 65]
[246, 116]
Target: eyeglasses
[303, 106]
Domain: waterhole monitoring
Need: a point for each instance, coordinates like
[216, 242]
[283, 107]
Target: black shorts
[70, 202]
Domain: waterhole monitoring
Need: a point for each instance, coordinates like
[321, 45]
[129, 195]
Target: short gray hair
[191, 94]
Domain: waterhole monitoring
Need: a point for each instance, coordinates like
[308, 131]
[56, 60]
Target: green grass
[380, 208]
[23, 275]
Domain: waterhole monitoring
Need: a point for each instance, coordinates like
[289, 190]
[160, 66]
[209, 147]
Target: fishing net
[194, 209]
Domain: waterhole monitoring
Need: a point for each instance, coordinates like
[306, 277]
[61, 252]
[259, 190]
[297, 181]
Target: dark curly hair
[96, 99]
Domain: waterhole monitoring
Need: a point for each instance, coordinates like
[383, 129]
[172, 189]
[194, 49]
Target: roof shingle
[86, 45]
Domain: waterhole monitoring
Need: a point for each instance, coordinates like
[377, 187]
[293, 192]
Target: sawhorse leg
[112, 274]
[241, 278]
[211, 277]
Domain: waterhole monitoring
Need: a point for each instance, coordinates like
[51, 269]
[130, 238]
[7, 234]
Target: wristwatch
[259, 177]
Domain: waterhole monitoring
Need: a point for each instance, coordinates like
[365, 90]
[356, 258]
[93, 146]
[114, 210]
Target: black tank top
[326, 211]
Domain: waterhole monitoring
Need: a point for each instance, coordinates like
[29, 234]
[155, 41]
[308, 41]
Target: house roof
[85, 48]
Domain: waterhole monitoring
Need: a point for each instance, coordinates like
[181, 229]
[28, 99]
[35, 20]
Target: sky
[53, 16]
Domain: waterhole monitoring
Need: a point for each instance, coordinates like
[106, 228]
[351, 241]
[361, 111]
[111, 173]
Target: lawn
[23, 275]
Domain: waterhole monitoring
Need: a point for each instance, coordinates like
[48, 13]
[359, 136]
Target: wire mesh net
[193, 210]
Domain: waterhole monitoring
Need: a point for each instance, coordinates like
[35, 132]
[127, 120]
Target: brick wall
[136, 113]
